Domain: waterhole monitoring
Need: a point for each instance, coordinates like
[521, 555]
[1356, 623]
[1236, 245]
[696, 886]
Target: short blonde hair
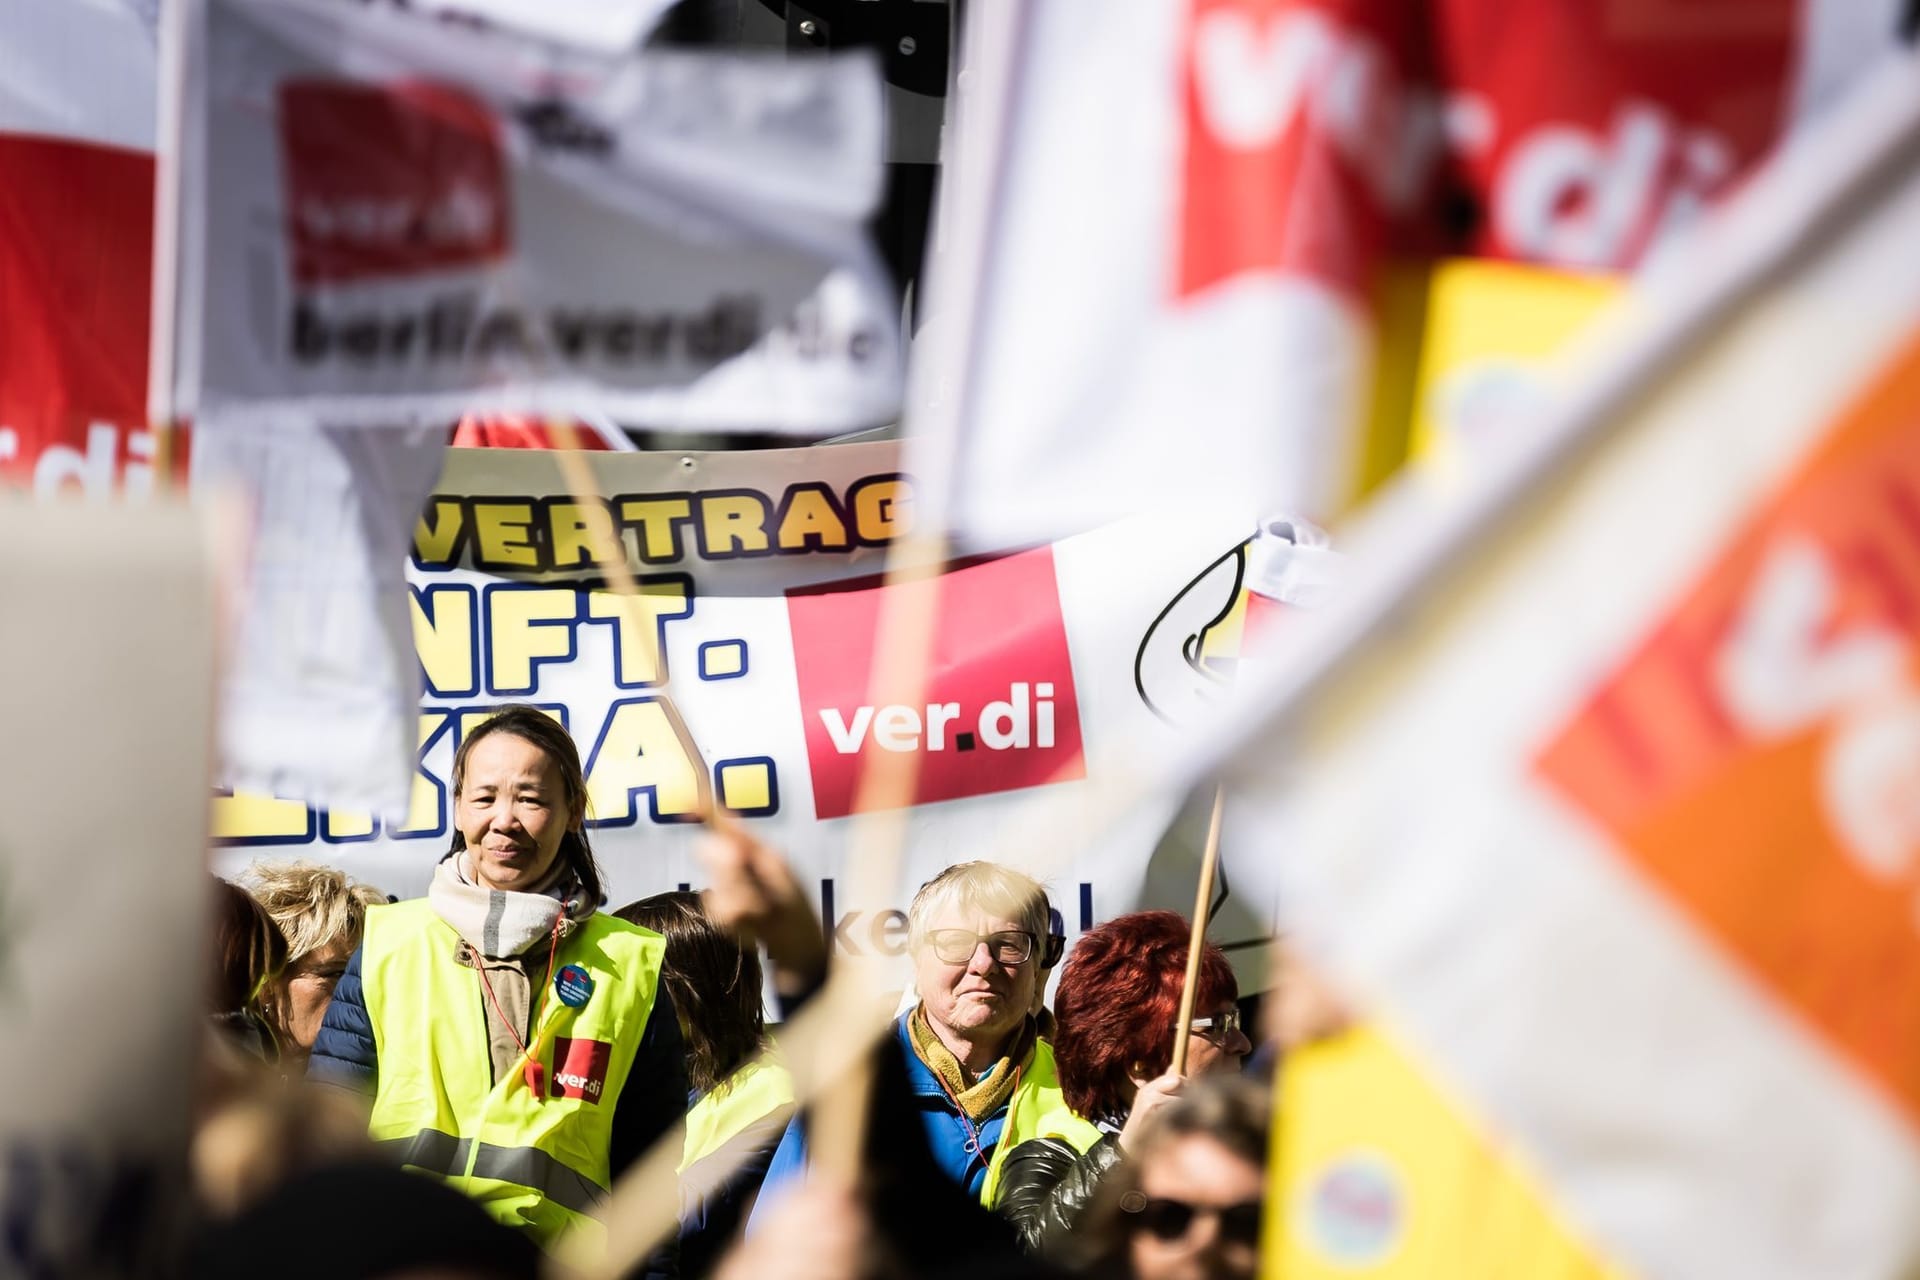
[314, 905]
[981, 886]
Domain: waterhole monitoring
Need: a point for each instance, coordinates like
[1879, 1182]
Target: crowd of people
[469, 1073]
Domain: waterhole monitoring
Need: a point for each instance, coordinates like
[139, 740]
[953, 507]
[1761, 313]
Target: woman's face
[1201, 1216]
[297, 1000]
[512, 812]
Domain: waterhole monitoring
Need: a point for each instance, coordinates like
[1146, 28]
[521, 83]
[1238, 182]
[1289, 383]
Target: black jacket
[1045, 1187]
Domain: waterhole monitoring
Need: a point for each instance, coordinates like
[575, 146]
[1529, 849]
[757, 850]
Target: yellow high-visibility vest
[1037, 1110]
[536, 1161]
[751, 1094]
[1376, 1176]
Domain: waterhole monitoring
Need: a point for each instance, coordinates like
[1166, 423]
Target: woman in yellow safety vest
[516, 1041]
[740, 1104]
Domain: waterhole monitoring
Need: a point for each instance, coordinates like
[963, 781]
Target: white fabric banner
[385, 218]
[760, 576]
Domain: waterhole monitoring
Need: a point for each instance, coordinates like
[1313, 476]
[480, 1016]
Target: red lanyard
[973, 1135]
[531, 1071]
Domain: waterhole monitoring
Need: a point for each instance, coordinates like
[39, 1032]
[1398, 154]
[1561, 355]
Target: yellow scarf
[980, 1098]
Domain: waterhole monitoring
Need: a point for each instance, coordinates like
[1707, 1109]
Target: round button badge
[573, 985]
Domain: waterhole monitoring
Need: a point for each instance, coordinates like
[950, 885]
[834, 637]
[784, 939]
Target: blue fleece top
[960, 1152]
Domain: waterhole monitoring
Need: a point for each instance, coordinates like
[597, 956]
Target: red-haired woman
[1114, 1015]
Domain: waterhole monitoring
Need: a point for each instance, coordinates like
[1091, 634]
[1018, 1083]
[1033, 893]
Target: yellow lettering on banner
[436, 536]
[443, 634]
[248, 816]
[524, 628]
[574, 531]
[811, 521]
[501, 532]
[639, 751]
[882, 510]
[348, 826]
[658, 520]
[424, 806]
[637, 627]
[733, 524]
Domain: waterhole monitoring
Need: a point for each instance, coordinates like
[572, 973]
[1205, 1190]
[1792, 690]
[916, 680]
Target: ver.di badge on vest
[573, 985]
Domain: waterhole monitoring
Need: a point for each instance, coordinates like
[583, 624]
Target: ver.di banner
[384, 218]
[761, 581]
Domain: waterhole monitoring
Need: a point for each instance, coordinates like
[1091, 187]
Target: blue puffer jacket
[344, 1052]
[958, 1150]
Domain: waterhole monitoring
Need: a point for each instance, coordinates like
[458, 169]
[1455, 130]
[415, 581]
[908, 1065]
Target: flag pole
[1197, 941]
[611, 554]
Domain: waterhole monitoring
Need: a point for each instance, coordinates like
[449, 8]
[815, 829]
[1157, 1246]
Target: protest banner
[759, 572]
[76, 234]
[382, 217]
[103, 883]
[1643, 702]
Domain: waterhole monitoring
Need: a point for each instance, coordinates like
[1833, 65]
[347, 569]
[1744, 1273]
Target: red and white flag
[1602, 786]
[76, 237]
[1175, 272]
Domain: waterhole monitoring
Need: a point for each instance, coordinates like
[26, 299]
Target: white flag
[385, 218]
[1123, 353]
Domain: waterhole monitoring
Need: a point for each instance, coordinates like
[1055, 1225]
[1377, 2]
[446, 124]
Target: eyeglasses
[956, 946]
[1171, 1220]
[1216, 1026]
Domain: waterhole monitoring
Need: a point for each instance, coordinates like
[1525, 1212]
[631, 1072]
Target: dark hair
[1118, 998]
[1234, 1111]
[714, 982]
[248, 949]
[530, 724]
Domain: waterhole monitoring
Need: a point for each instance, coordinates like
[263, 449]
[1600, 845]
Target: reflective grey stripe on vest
[532, 1167]
[443, 1153]
[431, 1150]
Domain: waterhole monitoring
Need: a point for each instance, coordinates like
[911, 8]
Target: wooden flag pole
[1197, 942]
[611, 554]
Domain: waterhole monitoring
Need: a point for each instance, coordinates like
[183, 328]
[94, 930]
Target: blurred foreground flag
[1132, 339]
[1606, 781]
[373, 217]
[107, 637]
[1377, 1175]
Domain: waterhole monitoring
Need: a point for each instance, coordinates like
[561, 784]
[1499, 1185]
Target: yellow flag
[1376, 1176]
